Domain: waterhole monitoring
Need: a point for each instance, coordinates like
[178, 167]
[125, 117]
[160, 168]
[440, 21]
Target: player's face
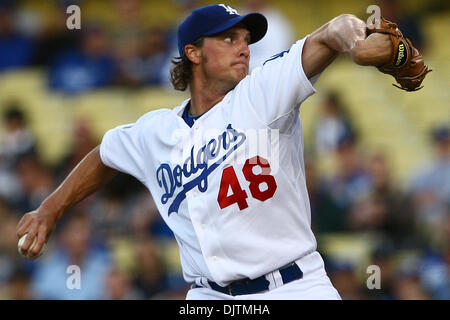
[226, 56]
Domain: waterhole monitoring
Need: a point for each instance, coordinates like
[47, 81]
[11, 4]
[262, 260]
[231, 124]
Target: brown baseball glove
[406, 64]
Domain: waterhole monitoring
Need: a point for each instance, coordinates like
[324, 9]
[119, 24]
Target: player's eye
[228, 40]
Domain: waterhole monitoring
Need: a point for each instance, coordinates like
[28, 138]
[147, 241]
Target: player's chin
[244, 68]
[240, 72]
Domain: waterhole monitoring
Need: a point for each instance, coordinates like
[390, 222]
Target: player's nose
[244, 50]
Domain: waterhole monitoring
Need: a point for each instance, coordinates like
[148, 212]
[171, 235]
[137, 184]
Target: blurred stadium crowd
[361, 215]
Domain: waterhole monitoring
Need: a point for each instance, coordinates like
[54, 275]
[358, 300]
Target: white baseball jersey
[231, 187]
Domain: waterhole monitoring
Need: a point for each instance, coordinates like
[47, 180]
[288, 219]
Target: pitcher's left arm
[384, 47]
[344, 34]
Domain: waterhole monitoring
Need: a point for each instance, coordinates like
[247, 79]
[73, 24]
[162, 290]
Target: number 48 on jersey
[239, 195]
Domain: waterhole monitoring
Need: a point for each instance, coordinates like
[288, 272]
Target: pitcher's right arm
[85, 179]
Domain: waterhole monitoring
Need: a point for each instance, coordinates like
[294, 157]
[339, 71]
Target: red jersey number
[257, 181]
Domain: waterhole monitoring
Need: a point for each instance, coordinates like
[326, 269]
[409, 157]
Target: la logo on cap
[229, 9]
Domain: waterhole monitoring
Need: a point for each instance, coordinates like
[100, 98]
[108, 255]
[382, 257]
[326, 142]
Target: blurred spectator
[18, 287]
[52, 36]
[144, 216]
[146, 66]
[383, 257]
[332, 124]
[75, 248]
[407, 283]
[10, 260]
[126, 37]
[435, 275]
[351, 183]
[342, 275]
[16, 141]
[83, 142]
[111, 211]
[146, 219]
[326, 215]
[89, 67]
[119, 287]
[16, 50]
[129, 29]
[431, 189]
[385, 209]
[280, 34]
[408, 22]
[184, 8]
[149, 275]
[36, 180]
[407, 287]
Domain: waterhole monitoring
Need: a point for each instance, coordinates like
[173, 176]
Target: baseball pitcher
[226, 167]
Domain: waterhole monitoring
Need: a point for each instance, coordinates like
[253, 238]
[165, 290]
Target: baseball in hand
[22, 240]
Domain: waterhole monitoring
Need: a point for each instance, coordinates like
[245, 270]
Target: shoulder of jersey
[155, 114]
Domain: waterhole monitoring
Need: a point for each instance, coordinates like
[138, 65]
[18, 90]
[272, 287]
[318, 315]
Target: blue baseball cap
[214, 19]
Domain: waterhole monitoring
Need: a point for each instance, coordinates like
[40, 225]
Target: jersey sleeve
[280, 85]
[122, 149]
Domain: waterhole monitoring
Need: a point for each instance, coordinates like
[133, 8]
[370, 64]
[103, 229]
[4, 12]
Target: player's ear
[193, 53]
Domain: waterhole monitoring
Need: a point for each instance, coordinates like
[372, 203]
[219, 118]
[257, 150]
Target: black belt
[248, 286]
